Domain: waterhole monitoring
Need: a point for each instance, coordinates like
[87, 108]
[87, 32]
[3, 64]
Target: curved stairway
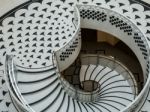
[43, 91]
[115, 90]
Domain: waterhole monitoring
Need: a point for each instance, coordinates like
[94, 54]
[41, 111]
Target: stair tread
[82, 72]
[89, 71]
[24, 88]
[45, 103]
[33, 97]
[25, 77]
[96, 71]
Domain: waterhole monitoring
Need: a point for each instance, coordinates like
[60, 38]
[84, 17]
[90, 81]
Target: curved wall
[105, 24]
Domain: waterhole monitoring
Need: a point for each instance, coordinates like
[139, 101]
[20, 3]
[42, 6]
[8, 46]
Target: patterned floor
[33, 33]
[27, 33]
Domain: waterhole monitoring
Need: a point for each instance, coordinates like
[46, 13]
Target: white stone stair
[114, 88]
[24, 78]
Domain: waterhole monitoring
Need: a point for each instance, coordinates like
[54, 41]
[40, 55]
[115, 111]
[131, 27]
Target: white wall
[107, 27]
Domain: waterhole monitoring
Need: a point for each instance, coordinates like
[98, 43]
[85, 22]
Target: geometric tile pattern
[32, 34]
[32, 44]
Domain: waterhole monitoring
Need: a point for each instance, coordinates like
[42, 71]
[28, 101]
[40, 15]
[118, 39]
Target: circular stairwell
[115, 91]
[117, 86]
[44, 37]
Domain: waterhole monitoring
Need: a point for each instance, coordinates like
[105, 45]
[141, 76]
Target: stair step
[96, 72]
[102, 73]
[65, 104]
[58, 103]
[123, 94]
[82, 72]
[36, 96]
[77, 106]
[89, 71]
[122, 87]
[71, 107]
[95, 108]
[27, 77]
[119, 100]
[111, 80]
[101, 107]
[108, 76]
[109, 106]
[83, 107]
[29, 87]
[48, 102]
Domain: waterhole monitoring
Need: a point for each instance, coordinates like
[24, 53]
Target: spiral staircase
[41, 38]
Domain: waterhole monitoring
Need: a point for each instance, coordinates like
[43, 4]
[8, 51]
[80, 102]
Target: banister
[14, 90]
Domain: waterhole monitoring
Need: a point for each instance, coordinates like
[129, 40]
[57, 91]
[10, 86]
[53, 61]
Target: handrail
[20, 100]
[133, 25]
[75, 93]
[79, 94]
[12, 85]
[133, 105]
[68, 87]
[130, 107]
[18, 97]
[110, 58]
[127, 20]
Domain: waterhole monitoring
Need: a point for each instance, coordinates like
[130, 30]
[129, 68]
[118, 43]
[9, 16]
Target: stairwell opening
[90, 85]
[125, 30]
[120, 51]
[109, 45]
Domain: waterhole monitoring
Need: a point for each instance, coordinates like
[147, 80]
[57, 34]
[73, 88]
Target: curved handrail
[144, 91]
[126, 19]
[120, 16]
[79, 94]
[139, 98]
[12, 85]
[21, 100]
[75, 93]
[130, 107]
[11, 71]
[110, 58]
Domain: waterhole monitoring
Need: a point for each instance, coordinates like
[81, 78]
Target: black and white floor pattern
[33, 31]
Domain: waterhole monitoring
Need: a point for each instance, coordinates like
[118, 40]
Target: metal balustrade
[13, 87]
[114, 19]
[141, 97]
[72, 91]
[77, 94]
[113, 64]
[80, 95]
